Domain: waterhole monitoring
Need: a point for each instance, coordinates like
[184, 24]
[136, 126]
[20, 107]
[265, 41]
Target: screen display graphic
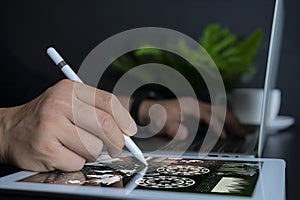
[163, 174]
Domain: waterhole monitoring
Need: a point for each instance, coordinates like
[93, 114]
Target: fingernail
[115, 153]
[132, 129]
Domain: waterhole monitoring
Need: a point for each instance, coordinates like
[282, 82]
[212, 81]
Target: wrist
[138, 100]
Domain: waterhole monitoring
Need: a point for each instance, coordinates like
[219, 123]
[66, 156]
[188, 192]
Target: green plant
[234, 57]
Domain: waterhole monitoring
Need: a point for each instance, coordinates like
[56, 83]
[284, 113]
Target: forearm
[8, 119]
[3, 129]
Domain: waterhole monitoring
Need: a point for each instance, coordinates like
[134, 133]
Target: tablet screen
[163, 174]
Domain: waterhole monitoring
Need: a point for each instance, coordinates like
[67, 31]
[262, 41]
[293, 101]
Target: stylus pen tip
[141, 158]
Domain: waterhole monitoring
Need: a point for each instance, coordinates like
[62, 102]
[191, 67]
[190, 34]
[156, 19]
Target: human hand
[174, 119]
[63, 128]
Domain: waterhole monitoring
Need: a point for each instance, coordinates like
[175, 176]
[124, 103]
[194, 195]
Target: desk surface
[284, 145]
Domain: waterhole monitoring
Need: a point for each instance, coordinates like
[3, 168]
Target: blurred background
[76, 27]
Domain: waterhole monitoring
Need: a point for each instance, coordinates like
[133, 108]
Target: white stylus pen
[66, 69]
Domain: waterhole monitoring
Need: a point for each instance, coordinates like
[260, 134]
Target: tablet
[186, 177]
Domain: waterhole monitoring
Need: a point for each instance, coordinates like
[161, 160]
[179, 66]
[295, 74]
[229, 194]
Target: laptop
[253, 144]
[168, 175]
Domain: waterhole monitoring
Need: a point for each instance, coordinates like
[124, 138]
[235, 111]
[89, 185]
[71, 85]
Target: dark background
[75, 27]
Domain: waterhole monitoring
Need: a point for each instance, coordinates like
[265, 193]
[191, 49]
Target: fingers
[109, 103]
[94, 111]
[176, 114]
[231, 123]
[81, 142]
[213, 121]
[176, 130]
[98, 123]
[68, 160]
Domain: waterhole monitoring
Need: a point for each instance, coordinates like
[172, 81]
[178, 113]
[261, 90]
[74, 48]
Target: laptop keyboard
[230, 145]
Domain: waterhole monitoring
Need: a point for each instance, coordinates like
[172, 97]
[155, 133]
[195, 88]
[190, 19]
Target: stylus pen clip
[66, 69]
